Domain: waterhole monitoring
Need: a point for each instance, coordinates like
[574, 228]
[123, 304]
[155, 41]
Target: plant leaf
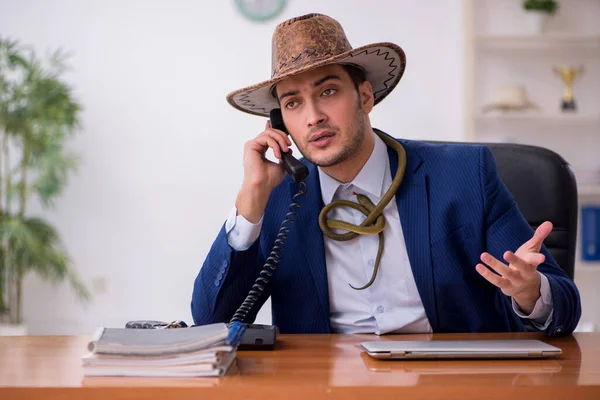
[36, 247]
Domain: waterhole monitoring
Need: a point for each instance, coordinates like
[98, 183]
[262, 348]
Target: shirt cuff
[241, 233]
[541, 316]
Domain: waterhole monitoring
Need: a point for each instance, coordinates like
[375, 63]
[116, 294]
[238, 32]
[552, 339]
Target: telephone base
[258, 337]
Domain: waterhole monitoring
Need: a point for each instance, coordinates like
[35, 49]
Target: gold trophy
[568, 75]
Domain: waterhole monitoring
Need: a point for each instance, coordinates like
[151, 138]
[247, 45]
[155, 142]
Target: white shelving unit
[537, 42]
[589, 190]
[500, 52]
[540, 118]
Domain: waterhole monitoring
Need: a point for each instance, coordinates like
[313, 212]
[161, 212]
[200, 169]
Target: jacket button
[217, 282]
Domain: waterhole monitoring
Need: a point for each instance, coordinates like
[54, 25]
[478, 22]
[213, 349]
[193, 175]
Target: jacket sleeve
[507, 229]
[224, 281]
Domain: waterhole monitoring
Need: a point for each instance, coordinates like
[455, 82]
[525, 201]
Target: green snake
[375, 222]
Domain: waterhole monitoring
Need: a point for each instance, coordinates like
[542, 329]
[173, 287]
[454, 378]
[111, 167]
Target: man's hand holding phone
[261, 175]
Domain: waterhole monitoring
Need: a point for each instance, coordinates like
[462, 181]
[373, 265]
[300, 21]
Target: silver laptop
[436, 349]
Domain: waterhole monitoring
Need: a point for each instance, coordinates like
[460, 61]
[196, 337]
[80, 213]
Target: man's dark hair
[356, 74]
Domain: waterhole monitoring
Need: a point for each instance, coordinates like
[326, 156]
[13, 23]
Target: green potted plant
[538, 13]
[38, 115]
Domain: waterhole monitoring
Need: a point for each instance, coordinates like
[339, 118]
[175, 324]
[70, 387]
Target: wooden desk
[310, 367]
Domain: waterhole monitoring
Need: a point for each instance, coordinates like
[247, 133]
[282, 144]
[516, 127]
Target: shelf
[589, 189]
[540, 117]
[582, 265]
[537, 41]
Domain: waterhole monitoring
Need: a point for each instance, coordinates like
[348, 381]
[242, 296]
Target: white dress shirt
[392, 303]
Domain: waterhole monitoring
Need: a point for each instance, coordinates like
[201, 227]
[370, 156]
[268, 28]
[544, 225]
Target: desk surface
[312, 366]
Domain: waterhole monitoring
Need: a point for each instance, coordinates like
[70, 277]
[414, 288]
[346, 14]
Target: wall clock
[260, 10]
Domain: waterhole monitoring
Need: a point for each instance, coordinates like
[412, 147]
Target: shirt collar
[369, 180]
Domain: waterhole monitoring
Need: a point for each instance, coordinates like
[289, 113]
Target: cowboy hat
[314, 40]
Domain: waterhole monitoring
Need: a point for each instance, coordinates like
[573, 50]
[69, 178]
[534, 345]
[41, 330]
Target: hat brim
[383, 63]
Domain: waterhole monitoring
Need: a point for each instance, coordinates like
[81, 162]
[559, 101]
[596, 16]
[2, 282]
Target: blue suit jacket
[452, 207]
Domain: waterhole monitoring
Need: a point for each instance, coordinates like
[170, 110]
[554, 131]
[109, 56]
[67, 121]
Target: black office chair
[545, 189]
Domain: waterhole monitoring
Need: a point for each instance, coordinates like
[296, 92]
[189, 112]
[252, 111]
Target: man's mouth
[321, 136]
[322, 139]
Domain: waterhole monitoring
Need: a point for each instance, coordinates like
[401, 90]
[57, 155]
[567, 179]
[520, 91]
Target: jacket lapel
[311, 237]
[413, 207]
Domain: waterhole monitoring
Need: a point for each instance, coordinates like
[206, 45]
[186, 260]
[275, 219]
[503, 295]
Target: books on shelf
[207, 350]
[590, 233]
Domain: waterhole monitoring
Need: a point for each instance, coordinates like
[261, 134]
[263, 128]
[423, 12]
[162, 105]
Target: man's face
[324, 114]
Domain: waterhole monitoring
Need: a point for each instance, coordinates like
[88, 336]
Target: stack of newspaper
[207, 350]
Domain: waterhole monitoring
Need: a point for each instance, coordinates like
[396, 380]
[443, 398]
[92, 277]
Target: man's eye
[291, 104]
[329, 92]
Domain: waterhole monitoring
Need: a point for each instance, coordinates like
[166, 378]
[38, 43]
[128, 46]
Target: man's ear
[367, 100]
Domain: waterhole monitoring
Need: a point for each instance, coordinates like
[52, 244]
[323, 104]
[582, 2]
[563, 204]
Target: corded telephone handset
[264, 337]
[294, 168]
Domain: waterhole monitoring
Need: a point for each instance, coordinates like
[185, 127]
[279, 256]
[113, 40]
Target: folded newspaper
[206, 350]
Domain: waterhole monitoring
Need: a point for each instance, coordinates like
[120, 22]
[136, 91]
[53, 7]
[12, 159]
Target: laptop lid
[400, 349]
[516, 366]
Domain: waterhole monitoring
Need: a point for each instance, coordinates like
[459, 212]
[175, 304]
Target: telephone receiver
[294, 168]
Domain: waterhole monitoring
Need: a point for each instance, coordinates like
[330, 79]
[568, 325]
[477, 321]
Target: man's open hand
[519, 279]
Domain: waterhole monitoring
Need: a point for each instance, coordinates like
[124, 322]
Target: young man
[435, 214]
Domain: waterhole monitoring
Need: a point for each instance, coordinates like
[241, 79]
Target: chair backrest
[545, 189]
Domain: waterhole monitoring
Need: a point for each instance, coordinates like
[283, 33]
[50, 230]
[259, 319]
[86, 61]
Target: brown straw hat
[314, 40]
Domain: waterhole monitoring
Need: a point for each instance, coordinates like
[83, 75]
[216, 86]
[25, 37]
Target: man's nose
[315, 116]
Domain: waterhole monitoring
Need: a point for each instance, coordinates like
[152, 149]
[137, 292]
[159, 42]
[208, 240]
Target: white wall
[162, 148]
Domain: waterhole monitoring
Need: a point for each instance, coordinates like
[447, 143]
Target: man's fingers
[273, 140]
[533, 259]
[517, 262]
[281, 137]
[495, 264]
[541, 233]
[273, 144]
[491, 277]
[284, 136]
